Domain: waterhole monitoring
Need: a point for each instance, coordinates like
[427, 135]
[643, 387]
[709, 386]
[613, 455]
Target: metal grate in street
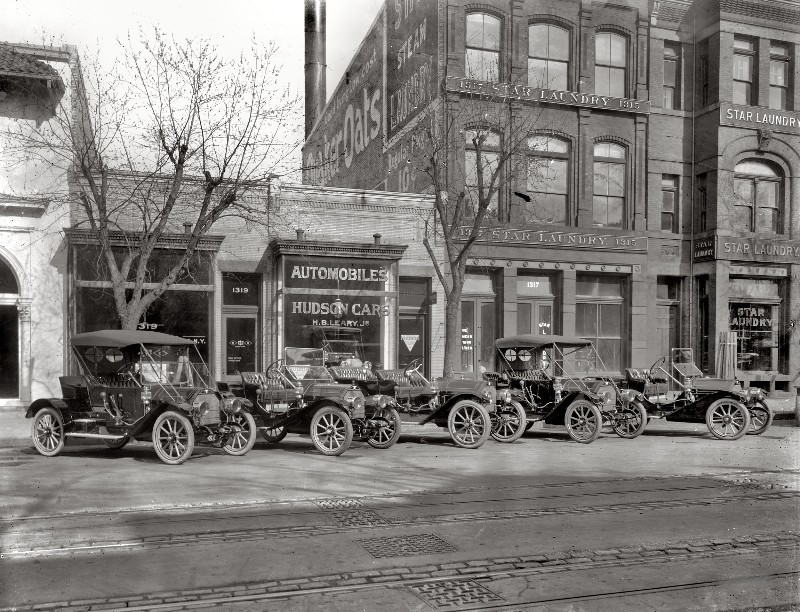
[358, 518]
[339, 503]
[454, 594]
[406, 546]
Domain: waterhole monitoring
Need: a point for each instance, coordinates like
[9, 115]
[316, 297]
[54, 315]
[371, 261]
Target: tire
[47, 432]
[469, 424]
[727, 419]
[273, 435]
[389, 431]
[760, 418]
[632, 422]
[529, 425]
[173, 437]
[241, 442]
[509, 423]
[331, 430]
[116, 444]
[583, 421]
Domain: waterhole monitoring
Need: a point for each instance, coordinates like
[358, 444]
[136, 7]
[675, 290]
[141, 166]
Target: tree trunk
[452, 333]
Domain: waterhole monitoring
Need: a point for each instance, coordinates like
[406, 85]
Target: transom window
[548, 56]
[778, 76]
[488, 143]
[482, 54]
[548, 180]
[609, 184]
[757, 197]
[744, 62]
[610, 64]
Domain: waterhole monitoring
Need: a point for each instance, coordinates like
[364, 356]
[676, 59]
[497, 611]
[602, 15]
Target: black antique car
[141, 385]
[678, 391]
[560, 380]
[297, 394]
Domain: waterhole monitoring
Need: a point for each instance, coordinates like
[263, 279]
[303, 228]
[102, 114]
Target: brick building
[665, 208]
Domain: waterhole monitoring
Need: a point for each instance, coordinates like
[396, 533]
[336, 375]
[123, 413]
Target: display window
[479, 322]
[601, 315]
[754, 311]
[535, 305]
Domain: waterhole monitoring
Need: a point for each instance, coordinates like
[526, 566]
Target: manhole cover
[338, 503]
[454, 594]
[406, 546]
[358, 518]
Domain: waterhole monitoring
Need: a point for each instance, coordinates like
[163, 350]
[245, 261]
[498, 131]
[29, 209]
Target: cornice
[209, 242]
[327, 248]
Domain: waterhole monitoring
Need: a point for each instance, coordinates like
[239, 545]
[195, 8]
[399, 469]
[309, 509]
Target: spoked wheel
[117, 444]
[727, 419]
[331, 430]
[584, 421]
[630, 421]
[469, 424]
[244, 438]
[760, 418]
[173, 438]
[387, 428]
[509, 423]
[273, 435]
[48, 432]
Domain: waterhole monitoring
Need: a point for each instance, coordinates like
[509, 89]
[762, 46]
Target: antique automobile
[146, 386]
[723, 405]
[297, 394]
[561, 380]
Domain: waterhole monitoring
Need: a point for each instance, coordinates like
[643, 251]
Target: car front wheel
[386, 428]
[173, 437]
[273, 435]
[630, 421]
[584, 421]
[331, 430]
[508, 422]
[48, 432]
[243, 439]
[727, 419]
[760, 418]
[469, 424]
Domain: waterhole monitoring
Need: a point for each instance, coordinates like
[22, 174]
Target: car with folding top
[141, 385]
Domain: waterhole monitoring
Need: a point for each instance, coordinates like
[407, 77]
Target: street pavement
[673, 520]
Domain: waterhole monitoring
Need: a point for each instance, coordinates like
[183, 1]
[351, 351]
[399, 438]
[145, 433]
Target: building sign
[547, 96]
[747, 249]
[411, 61]
[756, 118]
[548, 238]
[335, 273]
[750, 317]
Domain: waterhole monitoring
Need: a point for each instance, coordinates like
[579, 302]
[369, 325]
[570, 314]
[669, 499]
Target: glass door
[241, 343]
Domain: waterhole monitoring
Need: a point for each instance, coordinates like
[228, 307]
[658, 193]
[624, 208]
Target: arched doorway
[9, 333]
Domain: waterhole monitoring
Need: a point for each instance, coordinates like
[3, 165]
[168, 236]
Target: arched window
[482, 47]
[610, 64]
[8, 282]
[548, 180]
[487, 144]
[758, 186]
[548, 56]
[609, 184]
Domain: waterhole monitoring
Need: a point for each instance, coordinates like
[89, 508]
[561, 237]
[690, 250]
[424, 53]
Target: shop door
[9, 352]
[478, 333]
[412, 340]
[241, 343]
[667, 328]
[535, 317]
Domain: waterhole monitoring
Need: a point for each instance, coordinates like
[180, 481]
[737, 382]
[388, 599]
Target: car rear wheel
[331, 430]
[244, 438]
[584, 421]
[508, 422]
[469, 424]
[630, 421]
[48, 432]
[273, 435]
[173, 437]
[386, 428]
[727, 419]
[116, 444]
[760, 418]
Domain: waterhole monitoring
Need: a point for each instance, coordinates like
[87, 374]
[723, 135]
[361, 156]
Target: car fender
[50, 402]
[146, 423]
[440, 415]
[556, 416]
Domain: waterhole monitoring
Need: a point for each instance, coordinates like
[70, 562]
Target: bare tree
[170, 139]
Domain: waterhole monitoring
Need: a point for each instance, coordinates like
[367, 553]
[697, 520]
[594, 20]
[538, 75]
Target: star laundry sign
[550, 238]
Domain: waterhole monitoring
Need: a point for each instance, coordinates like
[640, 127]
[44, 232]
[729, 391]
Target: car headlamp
[627, 395]
[232, 405]
[383, 401]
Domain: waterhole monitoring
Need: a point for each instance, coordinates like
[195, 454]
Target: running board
[91, 435]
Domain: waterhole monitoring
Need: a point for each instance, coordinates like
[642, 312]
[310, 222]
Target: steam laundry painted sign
[549, 238]
[747, 249]
[759, 118]
[548, 96]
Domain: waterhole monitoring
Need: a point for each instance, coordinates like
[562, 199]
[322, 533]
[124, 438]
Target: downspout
[693, 186]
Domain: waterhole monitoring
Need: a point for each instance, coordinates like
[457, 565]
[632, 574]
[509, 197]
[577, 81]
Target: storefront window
[601, 316]
[414, 322]
[754, 312]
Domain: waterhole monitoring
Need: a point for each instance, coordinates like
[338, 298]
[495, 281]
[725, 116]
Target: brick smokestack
[315, 61]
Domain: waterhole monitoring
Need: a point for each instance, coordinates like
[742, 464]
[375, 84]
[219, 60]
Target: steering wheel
[415, 366]
[659, 362]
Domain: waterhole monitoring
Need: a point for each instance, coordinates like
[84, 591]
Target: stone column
[639, 319]
[24, 314]
[568, 283]
[509, 326]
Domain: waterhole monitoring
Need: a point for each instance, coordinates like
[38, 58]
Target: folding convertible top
[119, 338]
[536, 341]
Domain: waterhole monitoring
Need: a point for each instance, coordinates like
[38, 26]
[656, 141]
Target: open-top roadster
[549, 376]
[141, 385]
[723, 405]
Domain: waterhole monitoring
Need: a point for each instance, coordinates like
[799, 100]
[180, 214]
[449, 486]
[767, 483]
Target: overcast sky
[93, 24]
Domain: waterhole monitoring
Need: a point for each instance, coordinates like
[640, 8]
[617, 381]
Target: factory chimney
[315, 61]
